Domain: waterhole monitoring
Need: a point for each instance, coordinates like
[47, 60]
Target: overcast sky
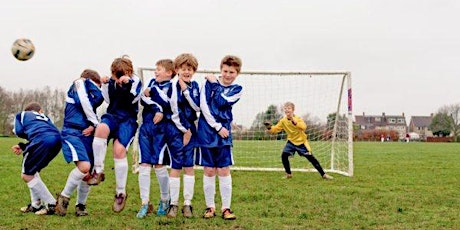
[404, 56]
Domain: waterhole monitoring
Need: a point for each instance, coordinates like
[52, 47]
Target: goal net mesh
[322, 99]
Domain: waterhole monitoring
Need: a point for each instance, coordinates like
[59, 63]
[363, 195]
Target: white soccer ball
[23, 49]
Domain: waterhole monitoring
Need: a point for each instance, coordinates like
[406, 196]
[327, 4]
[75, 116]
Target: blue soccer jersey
[44, 140]
[216, 104]
[152, 137]
[185, 105]
[123, 99]
[83, 98]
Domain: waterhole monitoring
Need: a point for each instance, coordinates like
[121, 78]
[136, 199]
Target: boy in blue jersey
[80, 120]
[297, 140]
[182, 138]
[44, 143]
[214, 134]
[122, 93]
[152, 137]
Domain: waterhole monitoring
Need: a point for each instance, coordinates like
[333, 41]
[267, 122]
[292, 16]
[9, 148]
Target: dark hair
[232, 60]
[91, 74]
[121, 67]
[33, 106]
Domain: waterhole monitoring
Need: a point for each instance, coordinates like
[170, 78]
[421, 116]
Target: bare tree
[448, 117]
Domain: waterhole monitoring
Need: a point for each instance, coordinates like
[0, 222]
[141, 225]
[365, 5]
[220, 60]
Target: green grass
[395, 186]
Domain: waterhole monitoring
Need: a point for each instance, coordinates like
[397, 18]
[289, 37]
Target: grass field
[395, 186]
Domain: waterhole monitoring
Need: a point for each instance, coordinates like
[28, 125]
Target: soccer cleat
[287, 176]
[187, 211]
[30, 208]
[163, 207]
[172, 211]
[119, 202]
[80, 210]
[145, 210]
[46, 210]
[96, 178]
[227, 214]
[61, 205]
[209, 213]
[327, 177]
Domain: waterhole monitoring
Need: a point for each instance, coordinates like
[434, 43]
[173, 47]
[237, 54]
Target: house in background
[420, 125]
[384, 122]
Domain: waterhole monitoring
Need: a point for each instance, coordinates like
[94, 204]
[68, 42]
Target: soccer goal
[322, 99]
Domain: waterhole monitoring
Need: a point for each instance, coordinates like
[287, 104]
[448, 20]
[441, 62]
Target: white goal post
[322, 99]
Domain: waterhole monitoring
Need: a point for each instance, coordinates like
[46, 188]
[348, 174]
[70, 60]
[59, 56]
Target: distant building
[383, 122]
[421, 126]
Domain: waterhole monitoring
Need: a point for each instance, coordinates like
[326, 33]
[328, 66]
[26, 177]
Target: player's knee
[209, 171]
[83, 166]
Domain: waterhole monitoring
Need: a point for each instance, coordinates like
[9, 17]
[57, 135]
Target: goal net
[322, 99]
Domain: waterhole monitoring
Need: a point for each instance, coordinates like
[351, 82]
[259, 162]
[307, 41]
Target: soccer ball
[23, 49]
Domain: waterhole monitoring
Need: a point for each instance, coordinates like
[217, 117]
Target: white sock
[225, 187]
[99, 149]
[83, 191]
[144, 183]
[189, 186]
[40, 189]
[121, 174]
[163, 182]
[34, 200]
[73, 180]
[209, 188]
[174, 189]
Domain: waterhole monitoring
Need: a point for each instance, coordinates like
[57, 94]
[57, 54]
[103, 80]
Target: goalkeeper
[297, 141]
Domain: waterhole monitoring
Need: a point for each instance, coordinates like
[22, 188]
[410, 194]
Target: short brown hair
[186, 59]
[167, 64]
[33, 106]
[121, 67]
[289, 104]
[91, 74]
[232, 60]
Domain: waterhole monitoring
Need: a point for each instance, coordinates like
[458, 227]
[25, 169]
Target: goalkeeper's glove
[268, 125]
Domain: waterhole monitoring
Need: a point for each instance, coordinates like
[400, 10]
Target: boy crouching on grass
[44, 144]
[297, 141]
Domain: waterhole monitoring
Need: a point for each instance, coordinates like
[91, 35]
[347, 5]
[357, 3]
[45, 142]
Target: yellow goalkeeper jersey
[295, 133]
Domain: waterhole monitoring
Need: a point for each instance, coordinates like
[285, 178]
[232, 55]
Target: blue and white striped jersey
[158, 101]
[216, 105]
[83, 98]
[185, 105]
[31, 124]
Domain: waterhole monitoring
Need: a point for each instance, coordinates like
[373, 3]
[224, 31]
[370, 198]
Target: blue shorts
[180, 155]
[291, 149]
[121, 130]
[152, 144]
[76, 146]
[39, 153]
[217, 157]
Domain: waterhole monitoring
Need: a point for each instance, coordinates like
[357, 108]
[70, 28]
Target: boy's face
[289, 111]
[161, 74]
[185, 72]
[228, 74]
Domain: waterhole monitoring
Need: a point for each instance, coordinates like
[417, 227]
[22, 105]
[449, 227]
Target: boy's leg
[209, 189]
[73, 181]
[40, 189]
[121, 176]
[317, 166]
[189, 185]
[287, 166]
[174, 190]
[144, 189]
[82, 196]
[163, 182]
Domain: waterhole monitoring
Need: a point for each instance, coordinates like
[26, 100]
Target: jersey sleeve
[278, 127]
[18, 125]
[205, 99]
[174, 102]
[85, 102]
[193, 98]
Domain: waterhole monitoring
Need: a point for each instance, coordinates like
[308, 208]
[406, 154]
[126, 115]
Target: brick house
[420, 125]
[384, 122]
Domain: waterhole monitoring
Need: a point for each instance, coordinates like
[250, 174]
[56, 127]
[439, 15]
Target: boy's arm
[229, 98]
[273, 129]
[18, 127]
[175, 117]
[85, 103]
[299, 123]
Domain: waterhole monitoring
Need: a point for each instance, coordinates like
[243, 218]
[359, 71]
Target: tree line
[12, 102]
